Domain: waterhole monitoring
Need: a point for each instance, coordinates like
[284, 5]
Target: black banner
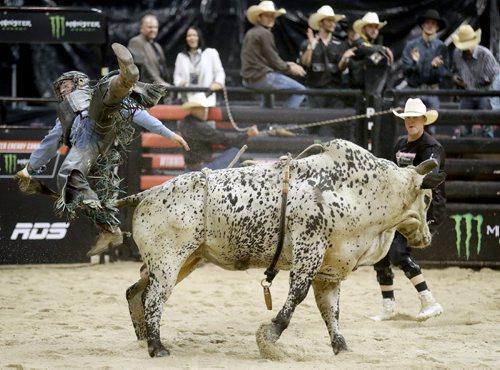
[52, 25]
[30, 232]
[470, 236]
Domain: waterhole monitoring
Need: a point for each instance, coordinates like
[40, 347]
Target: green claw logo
[57, 25]
[468, 219]
[10, 161]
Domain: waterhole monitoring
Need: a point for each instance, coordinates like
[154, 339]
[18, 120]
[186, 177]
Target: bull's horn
[426, 166]
[433, 180]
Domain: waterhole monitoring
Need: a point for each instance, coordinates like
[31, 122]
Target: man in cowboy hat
[202, 135]
[261, 66]
[425, 59]
[412, 149]
[320, 54]
[376, 57]
[475, 68]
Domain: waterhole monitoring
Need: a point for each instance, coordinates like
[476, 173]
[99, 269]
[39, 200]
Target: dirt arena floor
[76, 317]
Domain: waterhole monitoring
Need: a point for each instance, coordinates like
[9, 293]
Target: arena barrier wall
[30, 232]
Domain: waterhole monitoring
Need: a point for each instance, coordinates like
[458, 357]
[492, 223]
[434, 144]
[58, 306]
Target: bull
[342, 210]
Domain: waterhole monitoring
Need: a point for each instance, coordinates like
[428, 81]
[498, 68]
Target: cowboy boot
[129, 74]
[109, 236]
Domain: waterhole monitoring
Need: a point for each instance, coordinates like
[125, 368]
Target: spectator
[89, 120]
[147, 53]
[425, 59]
[202, 135]
[349, 67]
[475, 69]
[376, 58]
[261, 66]
[413, 149]
[320, 54]
[199, 66]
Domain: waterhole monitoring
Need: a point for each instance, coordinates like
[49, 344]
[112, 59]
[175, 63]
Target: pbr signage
[30, 232]
[52, 25]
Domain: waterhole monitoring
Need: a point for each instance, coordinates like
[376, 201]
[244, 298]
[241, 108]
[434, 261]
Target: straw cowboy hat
[466, 37]
[325, 11]
[432, 14]
[416, 108]
[254, 11]
[368, 18]
[197, 100]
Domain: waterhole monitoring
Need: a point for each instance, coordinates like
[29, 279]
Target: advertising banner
[52, 25]
[470, 236]
[30, 232]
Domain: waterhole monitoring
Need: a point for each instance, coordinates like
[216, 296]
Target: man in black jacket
[413, 149]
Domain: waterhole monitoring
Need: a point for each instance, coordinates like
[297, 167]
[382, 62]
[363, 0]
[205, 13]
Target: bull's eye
[427, 200]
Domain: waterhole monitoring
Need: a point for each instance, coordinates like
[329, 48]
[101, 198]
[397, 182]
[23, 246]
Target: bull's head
[415, 227]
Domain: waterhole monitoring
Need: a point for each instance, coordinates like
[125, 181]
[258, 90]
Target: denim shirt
[423, 72]
[83, 135]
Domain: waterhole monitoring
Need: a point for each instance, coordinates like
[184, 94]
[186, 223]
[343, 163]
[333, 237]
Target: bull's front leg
[327, 296]
[301, 275]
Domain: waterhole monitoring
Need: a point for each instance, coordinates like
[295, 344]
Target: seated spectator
[475, 68]
[426, 60]
[375, 58]
[147, 53]
[261, 66]
[197, 65]
[202, 135]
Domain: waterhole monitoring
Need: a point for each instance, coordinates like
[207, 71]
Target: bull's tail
[135, 199]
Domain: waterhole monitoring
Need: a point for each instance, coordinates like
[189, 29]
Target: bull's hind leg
[163, 276]
[327, 295]
[301, 276]
[134, 293]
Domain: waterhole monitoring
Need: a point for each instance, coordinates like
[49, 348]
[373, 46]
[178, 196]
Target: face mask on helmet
[81, 81]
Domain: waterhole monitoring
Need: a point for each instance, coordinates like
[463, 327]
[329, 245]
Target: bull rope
[272, 271]
[311, 124]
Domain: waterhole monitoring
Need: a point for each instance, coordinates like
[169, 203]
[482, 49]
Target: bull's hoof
[266, 337]
[156, 349]
[339, 344]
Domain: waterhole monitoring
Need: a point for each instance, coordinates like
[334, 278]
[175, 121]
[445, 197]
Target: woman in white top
[199, 66]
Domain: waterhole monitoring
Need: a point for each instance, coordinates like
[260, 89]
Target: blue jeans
[478, 103]
[495, 100]
[278, 81]
[223, 160]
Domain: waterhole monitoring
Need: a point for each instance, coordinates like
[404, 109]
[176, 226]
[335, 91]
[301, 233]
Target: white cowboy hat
[466, 37]
[325, 11]
[265, 6]
[368, 18]
[416, 108]
[197, 100]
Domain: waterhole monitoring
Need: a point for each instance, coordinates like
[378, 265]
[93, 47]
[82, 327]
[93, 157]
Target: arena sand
[76, 317]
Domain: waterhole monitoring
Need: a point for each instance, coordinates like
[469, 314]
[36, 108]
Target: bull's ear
[426, 166]
[433, 180]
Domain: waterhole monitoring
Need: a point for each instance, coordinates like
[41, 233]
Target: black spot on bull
[233, 199]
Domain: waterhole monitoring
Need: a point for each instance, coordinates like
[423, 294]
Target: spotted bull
[343, 208]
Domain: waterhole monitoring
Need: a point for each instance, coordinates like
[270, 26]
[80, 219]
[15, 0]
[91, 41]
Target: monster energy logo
[467, 219]
[10, 161]
[57, 26]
